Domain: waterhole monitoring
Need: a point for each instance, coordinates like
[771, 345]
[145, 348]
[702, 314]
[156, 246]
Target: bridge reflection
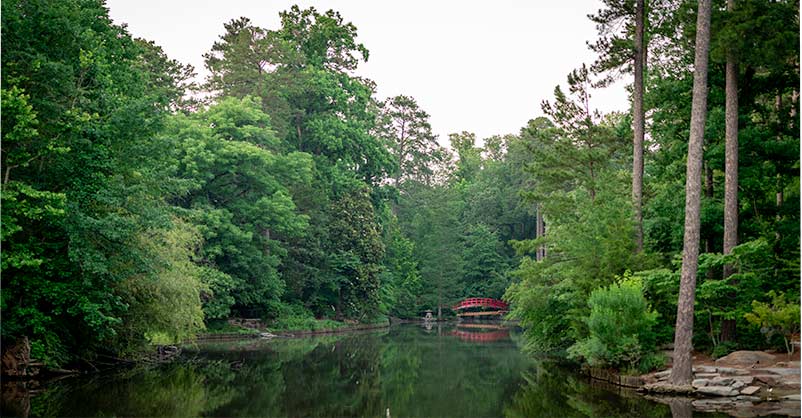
[481, 333]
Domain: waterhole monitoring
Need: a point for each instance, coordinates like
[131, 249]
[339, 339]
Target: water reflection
[481, 333]
[408, 369]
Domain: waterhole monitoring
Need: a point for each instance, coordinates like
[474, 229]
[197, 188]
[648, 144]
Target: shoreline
[727, 385]
[292, 333]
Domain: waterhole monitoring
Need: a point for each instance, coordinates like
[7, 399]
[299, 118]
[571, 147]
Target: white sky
[479, 66]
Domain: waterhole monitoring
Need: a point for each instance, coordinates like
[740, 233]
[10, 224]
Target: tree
[85, 186]
[616, 50]
[357, 251]
[469, 157]
[731, 167]
[638, 122]
[406, 130]
[681, 372]
[483, 267]
[240, 200]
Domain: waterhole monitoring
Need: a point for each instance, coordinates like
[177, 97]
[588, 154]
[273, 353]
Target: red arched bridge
[499, 307]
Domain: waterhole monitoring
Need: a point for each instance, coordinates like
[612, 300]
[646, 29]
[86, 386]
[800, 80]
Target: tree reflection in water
[405, 369]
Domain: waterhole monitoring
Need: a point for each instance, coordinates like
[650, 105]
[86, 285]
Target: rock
[717, 391]
[746, 380]
[747, 398]
[663, 375]
[789, 382]
[697, 383]
[782, 371]
[790, 411]
[737, 384]
[746, 359]
[750, 390]
[721, 381]
[667, 388]
[767, 379]
[266, 335]
[704, 369]
[791, 398]
[16, 358]
[706, 375]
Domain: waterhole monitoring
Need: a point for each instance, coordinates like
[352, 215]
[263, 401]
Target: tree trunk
[731, 171]
[681, 372]
[639, 124]
[709, 196]
[539, 232]
[731, 158]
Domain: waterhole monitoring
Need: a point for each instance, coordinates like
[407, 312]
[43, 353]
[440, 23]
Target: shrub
[780, 317]
[620, 326]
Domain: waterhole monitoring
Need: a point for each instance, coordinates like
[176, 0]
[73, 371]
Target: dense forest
[140, 206]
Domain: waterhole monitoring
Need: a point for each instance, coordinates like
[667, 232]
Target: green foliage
[223, 327]
[781, 316]
[484, 270]
[546, 306]
[406, 130]
[356, 250]
[620, 327]
[164, 301]
[85, 184]
[297, 318]
[661, 289]
[401, 282]
[240, 201]
[131, 213]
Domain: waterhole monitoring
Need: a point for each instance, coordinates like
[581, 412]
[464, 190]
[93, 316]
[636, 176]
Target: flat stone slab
[721, 381]
[782, 371]
[791, 398]
[717, 391]
[667, 388]
[706, 375]
[704, 369]
[746, 380]
[732, 371]
[750, 390]
[697, 383]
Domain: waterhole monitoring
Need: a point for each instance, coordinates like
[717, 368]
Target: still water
[408, 369]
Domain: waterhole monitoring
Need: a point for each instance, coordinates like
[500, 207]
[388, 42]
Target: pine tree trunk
[709, 196]
[731, 171]
[682, 370]
[539, 232]
[638, 121]
[731, 158]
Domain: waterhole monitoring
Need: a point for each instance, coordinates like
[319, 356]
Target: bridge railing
[481, 302]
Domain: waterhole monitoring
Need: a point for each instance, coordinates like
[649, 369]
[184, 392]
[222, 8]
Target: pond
[404, 371]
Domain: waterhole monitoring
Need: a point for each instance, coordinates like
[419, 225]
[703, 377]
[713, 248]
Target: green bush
[620, 327]
[780, 317]
[285, 317]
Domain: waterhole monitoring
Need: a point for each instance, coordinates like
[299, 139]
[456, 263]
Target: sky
[477, 66]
